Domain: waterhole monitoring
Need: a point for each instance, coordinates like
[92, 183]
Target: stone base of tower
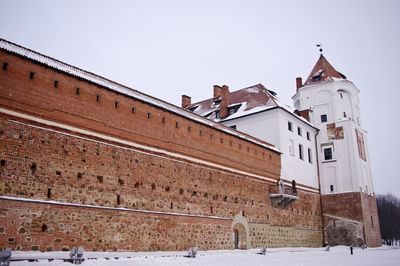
[350, 219]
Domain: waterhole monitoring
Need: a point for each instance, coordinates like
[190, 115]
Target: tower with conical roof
[331, 102]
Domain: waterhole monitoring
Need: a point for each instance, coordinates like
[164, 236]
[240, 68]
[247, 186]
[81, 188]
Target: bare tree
[389, 216]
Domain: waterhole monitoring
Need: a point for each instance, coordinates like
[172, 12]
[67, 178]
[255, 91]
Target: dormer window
[217, 114]
[318, 75]
[191, 109]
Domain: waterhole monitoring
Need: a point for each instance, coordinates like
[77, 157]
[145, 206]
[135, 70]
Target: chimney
[217, 91]
[186, 101]
[225, 98]
[299, 83]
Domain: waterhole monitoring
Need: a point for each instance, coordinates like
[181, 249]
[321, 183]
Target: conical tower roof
[323, 71]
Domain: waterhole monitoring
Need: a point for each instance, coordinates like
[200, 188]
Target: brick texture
[167, 200]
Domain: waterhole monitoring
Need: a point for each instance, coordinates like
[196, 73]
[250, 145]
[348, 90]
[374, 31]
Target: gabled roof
[323, 71]
[244, 102]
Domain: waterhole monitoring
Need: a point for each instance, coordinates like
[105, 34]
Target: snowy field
[384, 256]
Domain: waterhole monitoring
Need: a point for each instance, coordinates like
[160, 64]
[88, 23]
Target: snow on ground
[384, 256]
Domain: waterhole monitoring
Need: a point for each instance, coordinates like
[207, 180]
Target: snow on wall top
[116, 87]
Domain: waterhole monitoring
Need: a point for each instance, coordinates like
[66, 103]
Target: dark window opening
[97, 98]
[58, 172]
[116, 104]
[341, 95]
[299, 131]
[56, 84]
[177, 125]
[153, 186]
[33, 168]
[217, 114]
[5, 66]
[78, 91]
[44, 228]
[121, 182]
[2, 162]
[148, 115]
[328, 154]
[233, 127]
[290, 126]
[100, 178]
[344, 114]
[200, 133]
[79, 175]
[49, 193]
[189, 129]
[309, 156]
[32, 75]
[331, 188]
[308, 135]
[211, 209]
[301, 152]
[163, 120]
[324, 118]
[118, 199]
[133, 110]
[294, 188]
[171, 206]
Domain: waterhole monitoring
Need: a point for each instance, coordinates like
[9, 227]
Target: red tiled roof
[323, 71]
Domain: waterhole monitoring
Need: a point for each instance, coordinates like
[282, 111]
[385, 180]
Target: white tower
[331, 103]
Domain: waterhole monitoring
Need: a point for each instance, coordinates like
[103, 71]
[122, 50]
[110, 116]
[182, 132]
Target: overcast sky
[168, 48]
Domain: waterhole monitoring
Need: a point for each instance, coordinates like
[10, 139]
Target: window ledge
[329, 161]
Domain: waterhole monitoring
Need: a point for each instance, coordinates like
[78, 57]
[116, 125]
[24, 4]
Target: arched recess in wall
[240, 232]
[323, 105]
[344, 233]
[345, 104]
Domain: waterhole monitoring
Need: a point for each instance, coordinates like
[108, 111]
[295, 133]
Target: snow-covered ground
[385, 256]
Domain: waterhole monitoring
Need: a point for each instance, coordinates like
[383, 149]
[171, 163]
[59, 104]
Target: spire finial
[319, 45]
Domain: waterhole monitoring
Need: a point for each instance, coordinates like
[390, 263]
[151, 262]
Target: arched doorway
[239, 236]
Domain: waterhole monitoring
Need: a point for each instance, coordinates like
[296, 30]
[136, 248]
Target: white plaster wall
[272, 126]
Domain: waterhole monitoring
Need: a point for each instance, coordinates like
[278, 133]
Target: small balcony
[283, 196]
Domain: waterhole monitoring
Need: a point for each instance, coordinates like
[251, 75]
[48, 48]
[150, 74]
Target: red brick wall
[40, 97]
[355, 206]
[40, 162]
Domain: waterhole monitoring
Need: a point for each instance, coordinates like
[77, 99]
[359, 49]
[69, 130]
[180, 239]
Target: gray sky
[168, 48]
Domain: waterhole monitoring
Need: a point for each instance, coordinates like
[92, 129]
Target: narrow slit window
[5, 66]
[116, 104]
[78, 91]
[32, 75]
[301, 152]
[118, 199]
[56, 84]
[49, 193]
[189, 129]
[97, 98]
[133, 110]
[148, 115]
[177, 125]
[331, 188]
[163, 120]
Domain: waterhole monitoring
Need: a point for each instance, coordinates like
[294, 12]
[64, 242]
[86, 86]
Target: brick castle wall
[170, 202]
[355, 210]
